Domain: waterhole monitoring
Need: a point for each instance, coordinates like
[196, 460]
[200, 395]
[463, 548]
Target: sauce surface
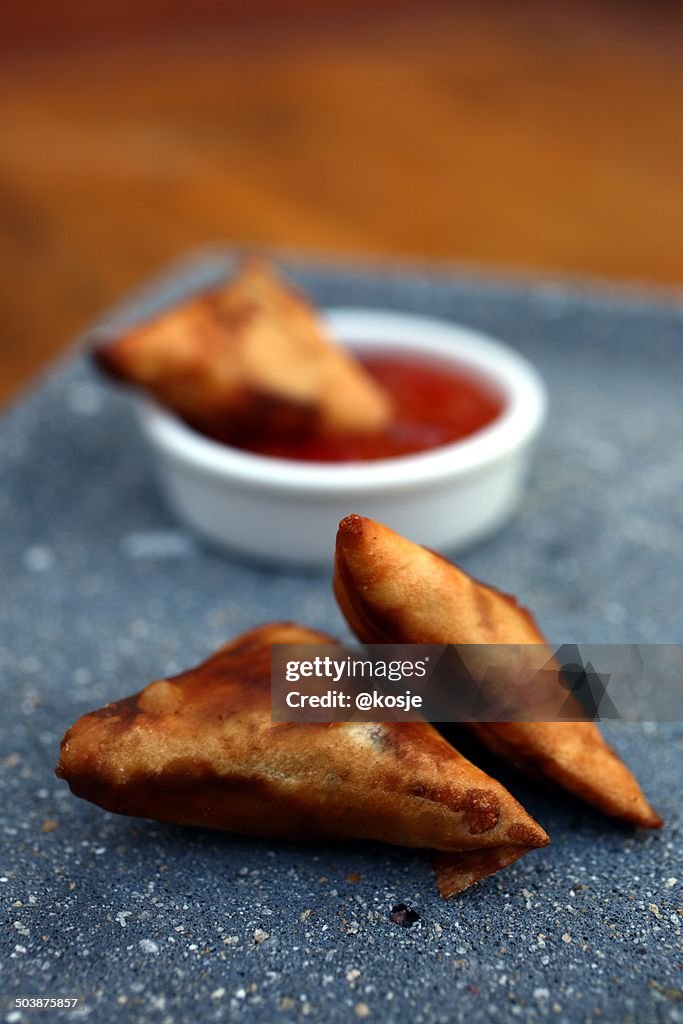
[434, 404]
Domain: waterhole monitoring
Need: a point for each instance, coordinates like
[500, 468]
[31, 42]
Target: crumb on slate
[404, 915]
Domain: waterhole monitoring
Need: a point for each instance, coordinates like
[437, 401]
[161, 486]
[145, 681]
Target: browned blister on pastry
[251, 356]
[392, 590]
[201, 749]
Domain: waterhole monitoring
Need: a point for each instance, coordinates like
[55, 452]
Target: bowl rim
[525, 406]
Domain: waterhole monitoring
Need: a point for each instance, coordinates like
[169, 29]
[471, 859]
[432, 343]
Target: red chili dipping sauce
[434, 404]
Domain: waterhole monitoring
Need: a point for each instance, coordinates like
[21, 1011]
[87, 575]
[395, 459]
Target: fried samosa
[201, 749]
[394, 591]
[249, 358]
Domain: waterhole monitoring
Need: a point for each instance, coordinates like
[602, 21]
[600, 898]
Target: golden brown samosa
[250, 357]
[394, 591]
[201, 749]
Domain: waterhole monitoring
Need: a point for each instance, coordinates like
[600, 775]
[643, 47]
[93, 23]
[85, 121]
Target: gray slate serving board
[102, 592]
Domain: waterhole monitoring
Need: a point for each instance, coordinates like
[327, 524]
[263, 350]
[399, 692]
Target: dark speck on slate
[404, 916]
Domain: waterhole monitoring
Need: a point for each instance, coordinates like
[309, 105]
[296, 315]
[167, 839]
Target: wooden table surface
[542, 137]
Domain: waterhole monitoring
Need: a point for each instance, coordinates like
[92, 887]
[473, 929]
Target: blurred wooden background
[526, 135]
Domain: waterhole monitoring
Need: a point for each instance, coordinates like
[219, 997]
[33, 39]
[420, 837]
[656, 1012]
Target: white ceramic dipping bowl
[284, 511]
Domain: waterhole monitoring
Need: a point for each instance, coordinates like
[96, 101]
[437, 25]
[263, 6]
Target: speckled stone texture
[102, 592]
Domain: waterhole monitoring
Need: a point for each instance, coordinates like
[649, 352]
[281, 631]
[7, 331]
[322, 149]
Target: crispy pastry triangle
[251, 356]
[392, 590]
[200, 749]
